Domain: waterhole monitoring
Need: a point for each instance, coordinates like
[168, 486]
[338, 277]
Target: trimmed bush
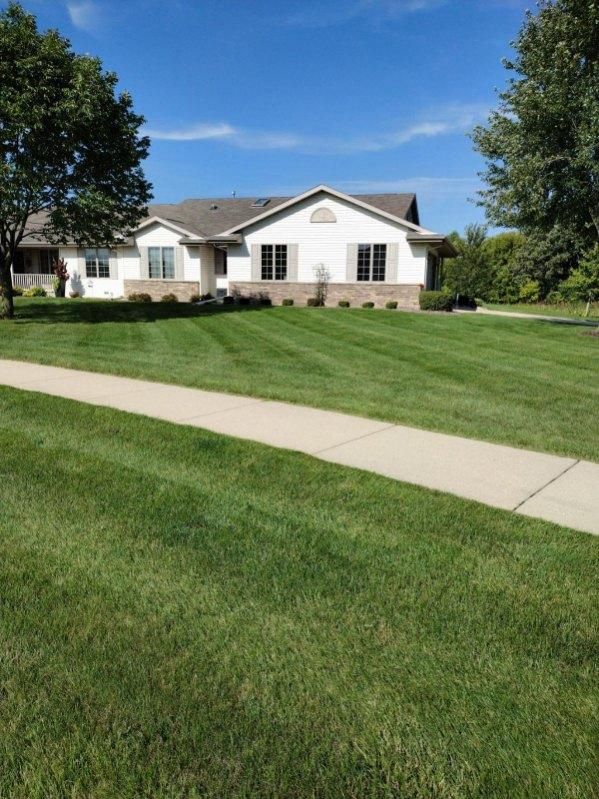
[287, 302]
[74, 294]
[195, 298]
[343, 303]
[139, 296]
[266, 302]
[228, 300]
[243, 300]
[368, 304]
[435, 301]
[312, 302]
[206, 296]
[169, 298]
[35, 291]
[391, 305]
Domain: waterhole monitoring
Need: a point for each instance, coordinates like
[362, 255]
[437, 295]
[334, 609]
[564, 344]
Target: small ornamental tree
[61, 275]
[322, 275]
[70, 147]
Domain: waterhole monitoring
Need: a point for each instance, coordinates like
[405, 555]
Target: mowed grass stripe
[528, 384]
[191, 615]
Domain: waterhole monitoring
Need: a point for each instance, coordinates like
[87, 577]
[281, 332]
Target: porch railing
[26, 280]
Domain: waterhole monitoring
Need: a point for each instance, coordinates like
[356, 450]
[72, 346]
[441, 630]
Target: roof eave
[441, 243]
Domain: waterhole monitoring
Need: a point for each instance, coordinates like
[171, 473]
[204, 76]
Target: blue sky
[272, 97]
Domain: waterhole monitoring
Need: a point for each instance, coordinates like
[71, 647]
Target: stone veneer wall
[356, 293]
[183, 289]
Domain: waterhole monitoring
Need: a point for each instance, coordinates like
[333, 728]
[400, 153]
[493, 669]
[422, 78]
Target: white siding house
[370, 248]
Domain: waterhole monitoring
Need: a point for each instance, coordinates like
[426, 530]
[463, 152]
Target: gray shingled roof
[202, 219]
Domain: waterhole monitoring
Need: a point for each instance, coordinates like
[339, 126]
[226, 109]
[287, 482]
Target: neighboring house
[372, 247]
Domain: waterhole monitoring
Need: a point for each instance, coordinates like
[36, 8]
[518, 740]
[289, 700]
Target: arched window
[323, 215]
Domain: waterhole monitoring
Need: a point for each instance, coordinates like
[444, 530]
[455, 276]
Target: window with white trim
[161, 263]
[372, 262]
[274, 262]
[97, 262]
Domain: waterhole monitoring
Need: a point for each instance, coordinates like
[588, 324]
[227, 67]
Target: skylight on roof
[260, 202]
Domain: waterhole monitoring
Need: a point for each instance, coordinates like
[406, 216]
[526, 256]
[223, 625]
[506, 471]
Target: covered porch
[33, 267]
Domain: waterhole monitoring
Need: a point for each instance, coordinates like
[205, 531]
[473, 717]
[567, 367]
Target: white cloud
[85, 15]
[321, 16]
[450, 119]
[428, 188]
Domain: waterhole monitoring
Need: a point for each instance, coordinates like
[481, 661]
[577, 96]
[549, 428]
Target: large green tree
[541, 144]
[70, 147]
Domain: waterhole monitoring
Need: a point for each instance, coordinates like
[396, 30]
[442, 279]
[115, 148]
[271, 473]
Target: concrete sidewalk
[562, 320]
[562, 490]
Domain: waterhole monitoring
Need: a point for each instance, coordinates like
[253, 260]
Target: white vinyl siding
[331, 245]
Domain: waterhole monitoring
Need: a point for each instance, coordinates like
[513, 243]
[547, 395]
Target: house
[371, 246]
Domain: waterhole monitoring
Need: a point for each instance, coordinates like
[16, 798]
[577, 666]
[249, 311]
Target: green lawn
[223, 619]
[574, 310]
[529, 384]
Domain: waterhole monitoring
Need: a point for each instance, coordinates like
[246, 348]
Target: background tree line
[517, 267]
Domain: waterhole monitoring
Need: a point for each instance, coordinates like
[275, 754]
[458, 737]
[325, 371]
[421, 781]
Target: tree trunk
[7, 309]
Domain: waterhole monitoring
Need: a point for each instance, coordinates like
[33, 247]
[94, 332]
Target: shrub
[435, 301]
[343, 303]
[195, 298]
[529, 291]
[313, 302]
[391, 305]
[34, 291]
[139, 296]
[243, 300]
[206, 296]
[368, 304]
[554, 298]
[287, 302]
[17, 291]
[266, 301]
[228, 300]
[74, 294]
[170, 298]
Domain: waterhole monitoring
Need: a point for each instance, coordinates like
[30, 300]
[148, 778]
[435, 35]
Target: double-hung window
[161, 263]
[372, 260]
[97, 262]
[274, 262]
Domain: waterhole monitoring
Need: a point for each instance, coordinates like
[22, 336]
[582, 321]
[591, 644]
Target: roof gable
[354, 200]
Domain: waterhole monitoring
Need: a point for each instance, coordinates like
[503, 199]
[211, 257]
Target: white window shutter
[144, 264]
[179, 256]
[392, 263]
[81, 262]
[256, 262]
[113, 265]
[351, 269]
[292, 257]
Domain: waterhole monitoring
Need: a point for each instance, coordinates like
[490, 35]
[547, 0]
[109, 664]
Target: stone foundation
[183, 289]
[357, 293]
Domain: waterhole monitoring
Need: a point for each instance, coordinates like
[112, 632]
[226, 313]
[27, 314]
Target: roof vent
[214, 207]
[260, 202]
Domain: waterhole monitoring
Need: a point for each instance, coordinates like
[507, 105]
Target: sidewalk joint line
[351, 440]
[543, 487]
